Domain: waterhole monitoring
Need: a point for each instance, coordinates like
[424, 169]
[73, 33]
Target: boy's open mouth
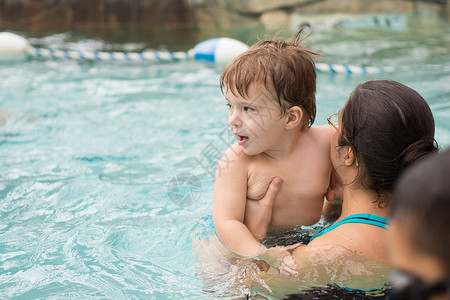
[242, 139]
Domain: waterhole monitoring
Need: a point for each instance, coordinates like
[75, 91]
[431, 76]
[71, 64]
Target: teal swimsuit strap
[357, 218]
[366, 219]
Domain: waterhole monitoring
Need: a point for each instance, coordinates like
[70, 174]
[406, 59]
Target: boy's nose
[234, 120]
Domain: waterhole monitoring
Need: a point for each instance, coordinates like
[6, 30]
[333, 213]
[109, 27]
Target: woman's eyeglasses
[408, 287]
[333, 120]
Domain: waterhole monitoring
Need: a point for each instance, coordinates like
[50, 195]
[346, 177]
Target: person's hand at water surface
[258, 213]
[280, 258]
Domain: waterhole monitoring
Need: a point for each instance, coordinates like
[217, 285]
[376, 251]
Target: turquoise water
[90, 156]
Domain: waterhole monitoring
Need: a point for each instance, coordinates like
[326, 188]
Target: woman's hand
[258, 213]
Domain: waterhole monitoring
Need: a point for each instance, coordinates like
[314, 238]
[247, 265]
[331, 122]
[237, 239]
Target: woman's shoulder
[362, 239]
[337, 264]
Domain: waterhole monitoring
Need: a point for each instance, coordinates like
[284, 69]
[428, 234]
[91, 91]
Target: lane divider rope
[167, 56]
[110, 56]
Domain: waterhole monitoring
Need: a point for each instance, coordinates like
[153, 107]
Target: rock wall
[64, 15]
[279, 14]
[143, 16]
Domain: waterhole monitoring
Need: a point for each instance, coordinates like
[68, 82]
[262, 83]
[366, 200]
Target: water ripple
[88, 150]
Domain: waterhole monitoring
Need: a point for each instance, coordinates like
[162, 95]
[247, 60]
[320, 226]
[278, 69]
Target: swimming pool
[94, 157]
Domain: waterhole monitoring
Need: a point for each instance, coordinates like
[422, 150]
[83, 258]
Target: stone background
[137, 19]
[277, 14]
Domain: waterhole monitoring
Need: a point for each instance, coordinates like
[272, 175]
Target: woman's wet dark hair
[390, 126]
[421, 203]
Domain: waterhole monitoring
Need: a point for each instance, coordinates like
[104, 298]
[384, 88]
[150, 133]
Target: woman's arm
[258, 213]
[258, 216]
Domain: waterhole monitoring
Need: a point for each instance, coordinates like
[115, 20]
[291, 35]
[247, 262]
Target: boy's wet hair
[422, 205]
[281, 66]
[390, 126]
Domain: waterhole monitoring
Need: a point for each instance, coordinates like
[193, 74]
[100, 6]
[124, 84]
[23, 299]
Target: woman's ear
[350, 157]
[293, 117]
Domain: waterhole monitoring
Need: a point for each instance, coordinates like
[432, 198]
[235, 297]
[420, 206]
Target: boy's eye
[229, 105]
[246, 108]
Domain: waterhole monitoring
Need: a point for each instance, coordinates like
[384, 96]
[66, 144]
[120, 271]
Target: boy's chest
[302, 178]
[300, 199]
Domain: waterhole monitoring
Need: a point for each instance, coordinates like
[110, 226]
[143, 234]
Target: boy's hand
[258, 213]
[281, 259]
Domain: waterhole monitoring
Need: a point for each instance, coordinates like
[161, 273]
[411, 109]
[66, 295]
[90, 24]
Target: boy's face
[256, 120]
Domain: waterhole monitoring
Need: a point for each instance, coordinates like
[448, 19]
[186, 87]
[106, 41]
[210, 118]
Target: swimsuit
[357, 218]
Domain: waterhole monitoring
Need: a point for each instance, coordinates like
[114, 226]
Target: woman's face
[335, 151]
[338, 153]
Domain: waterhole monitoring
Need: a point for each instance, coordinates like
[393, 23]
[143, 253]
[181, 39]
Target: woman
[382, 129]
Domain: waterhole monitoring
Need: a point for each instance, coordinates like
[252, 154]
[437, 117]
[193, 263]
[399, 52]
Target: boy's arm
[230, 194]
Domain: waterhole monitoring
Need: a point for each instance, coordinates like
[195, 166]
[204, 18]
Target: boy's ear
[293, 117]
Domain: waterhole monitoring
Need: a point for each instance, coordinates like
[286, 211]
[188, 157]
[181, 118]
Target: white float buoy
[219, 50]
[13, 47]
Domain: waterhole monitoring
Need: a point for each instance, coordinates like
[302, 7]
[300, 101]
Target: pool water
[105, 168]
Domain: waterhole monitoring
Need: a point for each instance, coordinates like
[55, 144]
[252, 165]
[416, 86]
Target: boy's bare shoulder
[322, 134]
[235, 152]
[234, 157]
